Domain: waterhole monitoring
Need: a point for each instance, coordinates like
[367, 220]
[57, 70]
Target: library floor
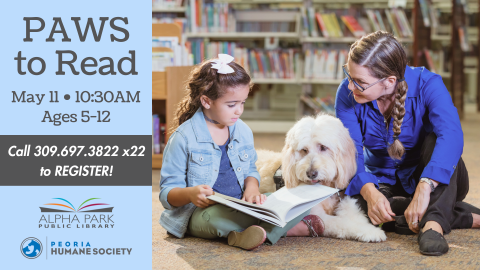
[398, 251]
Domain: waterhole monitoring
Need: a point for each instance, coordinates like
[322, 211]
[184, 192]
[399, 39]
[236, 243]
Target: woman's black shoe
[432, 243]
[401, 226]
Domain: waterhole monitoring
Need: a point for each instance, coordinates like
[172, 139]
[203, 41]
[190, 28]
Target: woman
[409, 142]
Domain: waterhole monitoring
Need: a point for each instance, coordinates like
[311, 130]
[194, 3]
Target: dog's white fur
[323, 145]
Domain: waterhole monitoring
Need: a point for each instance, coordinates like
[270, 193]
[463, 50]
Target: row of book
[158, 134]
[429, 14]
[317, 104]
[396, 23]
[206, 16]
[439, 61]
[174, 55]
[161, 60]
[435, 60]
[324, 64]
[279, 27]
[328, 25]
[167, 3]
[272, 64]
[275, 64]
[463, 38]
[340, 23]
[433, 18]
[203, 49]
[209, 17]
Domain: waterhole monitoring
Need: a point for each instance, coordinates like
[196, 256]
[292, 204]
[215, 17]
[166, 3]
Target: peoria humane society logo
[63, 215]
[31, 248]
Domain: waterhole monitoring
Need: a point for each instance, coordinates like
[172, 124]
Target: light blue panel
[25, 118]
[131, 215]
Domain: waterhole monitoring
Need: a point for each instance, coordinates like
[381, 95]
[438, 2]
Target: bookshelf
[457, 55]
[159, 89]
[321, 81]
[168, 9]
[472, 34]
[258, 1]
[167, 85]
[172, 82]
[457, 70]
[312, 86]
[383, 2]
[422, 38]
[244, 35]
[478, 61]
[347, 40]
[276, 81]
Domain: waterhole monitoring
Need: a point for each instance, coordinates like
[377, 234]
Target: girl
[211, 150]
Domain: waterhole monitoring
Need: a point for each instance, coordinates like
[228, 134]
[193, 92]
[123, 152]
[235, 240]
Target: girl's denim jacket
[191, 158]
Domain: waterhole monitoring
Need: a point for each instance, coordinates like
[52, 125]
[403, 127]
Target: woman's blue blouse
[429, 108]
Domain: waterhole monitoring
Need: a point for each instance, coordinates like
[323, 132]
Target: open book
[282, 205]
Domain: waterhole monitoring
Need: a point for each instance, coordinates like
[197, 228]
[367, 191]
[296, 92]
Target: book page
[252, 205]
[257, 213]
[297, 210]
[283, 200]
[276, 209]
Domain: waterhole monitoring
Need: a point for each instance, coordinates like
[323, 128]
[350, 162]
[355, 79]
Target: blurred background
[294, 50]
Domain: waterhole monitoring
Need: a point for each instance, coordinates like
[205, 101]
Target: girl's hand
[379, 210]
[198, 196]
[418, 206]
[252, 195]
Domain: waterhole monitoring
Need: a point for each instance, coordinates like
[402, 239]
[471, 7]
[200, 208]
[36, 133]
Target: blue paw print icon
[31, 248]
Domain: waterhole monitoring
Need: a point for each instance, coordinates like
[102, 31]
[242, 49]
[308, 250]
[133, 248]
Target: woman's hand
[418, 206]
[379, 210]
[198, 196]
[252, 193]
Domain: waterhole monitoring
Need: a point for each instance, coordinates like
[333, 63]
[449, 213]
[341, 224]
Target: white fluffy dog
[321, 150]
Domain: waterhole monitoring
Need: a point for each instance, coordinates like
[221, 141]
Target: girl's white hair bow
[221, 64]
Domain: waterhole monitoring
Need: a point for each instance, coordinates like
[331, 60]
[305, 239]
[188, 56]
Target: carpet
[399, 252]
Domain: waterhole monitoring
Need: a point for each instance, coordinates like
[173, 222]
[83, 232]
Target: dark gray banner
[76, 160]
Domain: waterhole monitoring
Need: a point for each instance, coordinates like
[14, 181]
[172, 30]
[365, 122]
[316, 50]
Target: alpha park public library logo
[72, 208]
[85, 216]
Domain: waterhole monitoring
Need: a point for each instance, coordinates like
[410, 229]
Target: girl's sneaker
[248, 239]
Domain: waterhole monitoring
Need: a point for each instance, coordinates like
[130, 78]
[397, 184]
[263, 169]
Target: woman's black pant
[446, 203]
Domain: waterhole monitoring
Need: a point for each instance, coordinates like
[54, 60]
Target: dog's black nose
[312, 174]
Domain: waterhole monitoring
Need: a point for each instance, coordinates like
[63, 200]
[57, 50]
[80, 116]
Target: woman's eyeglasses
[358, 86]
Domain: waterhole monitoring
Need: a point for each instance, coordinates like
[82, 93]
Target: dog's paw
[374, 234]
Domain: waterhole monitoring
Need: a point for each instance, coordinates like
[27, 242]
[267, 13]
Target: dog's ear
[345, 159]
[288, 166]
